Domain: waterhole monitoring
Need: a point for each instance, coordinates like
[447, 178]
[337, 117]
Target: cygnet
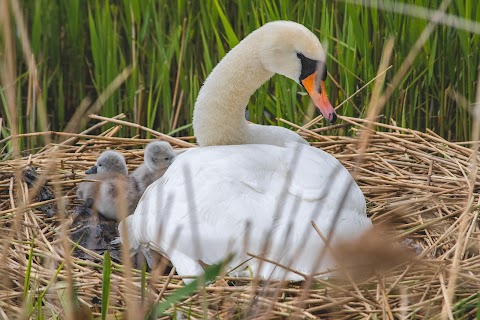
[157, 158]
[112, 188]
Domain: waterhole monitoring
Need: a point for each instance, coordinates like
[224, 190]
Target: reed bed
[420, 189]
[166, 49]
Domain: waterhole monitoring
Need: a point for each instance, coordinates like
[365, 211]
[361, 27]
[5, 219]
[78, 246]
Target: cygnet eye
[167, 159]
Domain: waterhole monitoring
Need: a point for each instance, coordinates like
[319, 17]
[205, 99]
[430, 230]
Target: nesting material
[422, 190]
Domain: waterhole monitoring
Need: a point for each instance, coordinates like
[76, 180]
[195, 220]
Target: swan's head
[290, 49]
[111, 162]
[158, 155]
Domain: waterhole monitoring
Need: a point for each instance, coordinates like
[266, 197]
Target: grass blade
[107, 269]
[210, 274]
[26, 283]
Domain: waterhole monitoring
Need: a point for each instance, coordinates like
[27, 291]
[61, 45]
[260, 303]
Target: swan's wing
[314, 174]
[214, 186]
[203, 204]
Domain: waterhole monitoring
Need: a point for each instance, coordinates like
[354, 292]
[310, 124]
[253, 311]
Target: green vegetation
[107, 271]
[81, 46]
[211, 273]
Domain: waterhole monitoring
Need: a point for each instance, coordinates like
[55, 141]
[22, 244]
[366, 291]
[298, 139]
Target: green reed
[81, 46]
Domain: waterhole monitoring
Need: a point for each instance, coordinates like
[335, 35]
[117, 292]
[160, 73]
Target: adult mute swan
[249, 182]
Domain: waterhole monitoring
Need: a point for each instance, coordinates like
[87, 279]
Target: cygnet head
[290, 49]
[109, 161]
[158, 155]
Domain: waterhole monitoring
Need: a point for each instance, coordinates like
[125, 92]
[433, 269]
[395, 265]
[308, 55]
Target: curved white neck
[219, 114]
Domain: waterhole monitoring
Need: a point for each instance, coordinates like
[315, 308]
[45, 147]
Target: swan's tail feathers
[185, 266]
[128, 237]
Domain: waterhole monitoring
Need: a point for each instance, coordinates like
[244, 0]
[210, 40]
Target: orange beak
[319, 96]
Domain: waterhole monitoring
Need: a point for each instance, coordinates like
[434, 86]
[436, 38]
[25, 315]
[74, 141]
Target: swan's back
[227, 199]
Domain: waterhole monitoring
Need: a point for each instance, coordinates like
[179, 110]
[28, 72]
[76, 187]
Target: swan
[251, 190]
[111, 173]
[158, 156]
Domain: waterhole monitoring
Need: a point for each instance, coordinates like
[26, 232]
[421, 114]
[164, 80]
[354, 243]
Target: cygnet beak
[92, 170]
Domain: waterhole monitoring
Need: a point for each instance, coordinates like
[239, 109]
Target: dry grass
[417, 185]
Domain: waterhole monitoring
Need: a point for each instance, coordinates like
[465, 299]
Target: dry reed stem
[136, 111]
[177, 104]
[374, 107]
[423, 13]
[29, 58]
[320, 117]
[163, 136]
[412, 54]
[373, 111]
[109, 90]
[132, 306]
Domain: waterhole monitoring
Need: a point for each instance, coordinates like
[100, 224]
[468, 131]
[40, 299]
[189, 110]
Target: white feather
[233, 186]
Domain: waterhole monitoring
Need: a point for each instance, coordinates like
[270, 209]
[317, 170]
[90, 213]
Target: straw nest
[419, 186]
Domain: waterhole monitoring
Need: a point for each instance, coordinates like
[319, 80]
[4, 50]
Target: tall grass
[81, 46]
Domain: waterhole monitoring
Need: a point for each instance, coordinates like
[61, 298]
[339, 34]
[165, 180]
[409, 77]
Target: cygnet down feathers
[113, 187]
[157, 158]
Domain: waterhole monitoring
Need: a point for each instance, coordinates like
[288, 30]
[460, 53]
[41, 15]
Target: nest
[420, 188]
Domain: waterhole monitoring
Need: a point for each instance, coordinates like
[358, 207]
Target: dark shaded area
[94, 232]
[30, 176]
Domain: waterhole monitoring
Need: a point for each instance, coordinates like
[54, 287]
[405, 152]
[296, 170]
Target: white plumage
[226, 198]
[224, 201]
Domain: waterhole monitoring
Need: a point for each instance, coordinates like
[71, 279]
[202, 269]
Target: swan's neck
[219, 114]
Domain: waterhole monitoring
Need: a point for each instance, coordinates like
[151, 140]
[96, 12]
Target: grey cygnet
[112, 188]
[158, 156]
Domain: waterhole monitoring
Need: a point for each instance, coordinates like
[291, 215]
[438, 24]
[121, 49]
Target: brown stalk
[176, 105]
[163, 136]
